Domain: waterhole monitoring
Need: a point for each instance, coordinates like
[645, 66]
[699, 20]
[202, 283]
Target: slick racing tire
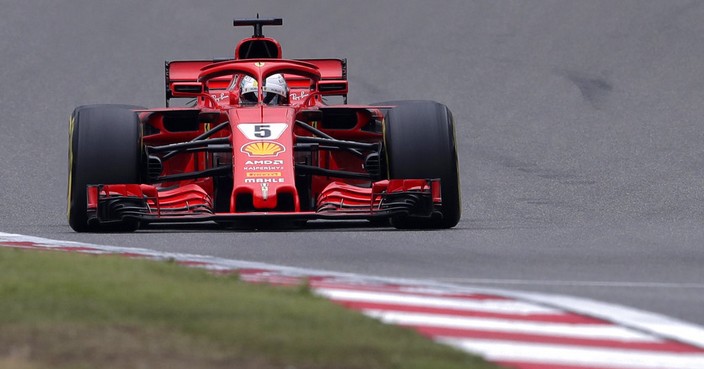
[419, 140]
[105, 147]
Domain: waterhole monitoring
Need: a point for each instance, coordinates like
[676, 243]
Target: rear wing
[333, 73]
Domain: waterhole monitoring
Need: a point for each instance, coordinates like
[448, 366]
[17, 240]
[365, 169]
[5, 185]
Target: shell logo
[263, 148]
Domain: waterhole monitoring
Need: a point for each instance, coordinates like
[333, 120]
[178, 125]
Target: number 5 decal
[258, 131]
[262, 131]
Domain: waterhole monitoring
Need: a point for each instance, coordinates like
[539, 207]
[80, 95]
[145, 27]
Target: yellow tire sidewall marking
[71, 123]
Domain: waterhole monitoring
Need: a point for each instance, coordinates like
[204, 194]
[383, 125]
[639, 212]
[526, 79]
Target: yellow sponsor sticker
[263, 174]
[263, 148]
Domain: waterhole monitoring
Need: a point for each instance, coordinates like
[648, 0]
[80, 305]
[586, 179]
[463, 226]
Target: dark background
[578, 128]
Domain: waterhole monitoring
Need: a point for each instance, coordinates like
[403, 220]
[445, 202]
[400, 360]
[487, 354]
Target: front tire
[105, 147]
[419, 139]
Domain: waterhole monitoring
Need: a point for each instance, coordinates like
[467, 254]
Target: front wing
[191, 203]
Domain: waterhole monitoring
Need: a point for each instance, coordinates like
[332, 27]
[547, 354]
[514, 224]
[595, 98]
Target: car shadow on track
[274, 227]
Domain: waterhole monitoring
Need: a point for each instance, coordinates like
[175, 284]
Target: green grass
[82, 311]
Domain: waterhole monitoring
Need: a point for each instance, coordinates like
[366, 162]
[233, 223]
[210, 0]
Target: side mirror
[187, 89]
[334, 87]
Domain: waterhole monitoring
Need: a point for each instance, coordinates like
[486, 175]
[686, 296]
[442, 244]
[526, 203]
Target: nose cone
[263, 169]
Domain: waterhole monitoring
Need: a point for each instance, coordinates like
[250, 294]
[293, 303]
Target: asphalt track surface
[578, 128]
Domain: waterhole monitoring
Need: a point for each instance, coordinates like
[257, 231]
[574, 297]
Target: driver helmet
[275, 90]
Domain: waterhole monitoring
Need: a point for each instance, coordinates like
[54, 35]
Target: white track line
[571, 355]
[657, 324]
[587, 331]
[508, 307]
[540, 282]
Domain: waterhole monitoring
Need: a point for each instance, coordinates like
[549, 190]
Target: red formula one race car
[261, 144]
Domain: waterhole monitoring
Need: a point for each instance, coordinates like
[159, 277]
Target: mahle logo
[263, 180]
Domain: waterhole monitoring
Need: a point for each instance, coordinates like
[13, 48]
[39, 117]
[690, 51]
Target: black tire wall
[420, 143]
[105, 147]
